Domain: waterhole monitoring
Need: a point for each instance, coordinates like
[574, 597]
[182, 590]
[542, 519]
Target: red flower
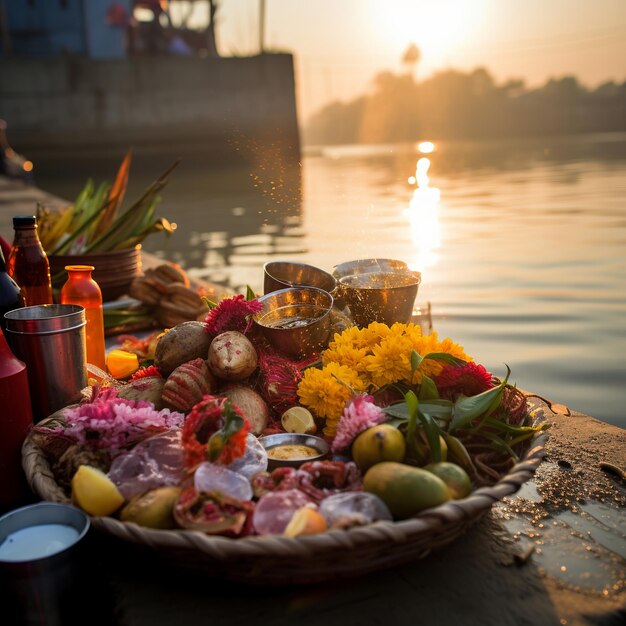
[232, 314]
[215, 430]
[279, 380]
[469, 379]
[146, 372]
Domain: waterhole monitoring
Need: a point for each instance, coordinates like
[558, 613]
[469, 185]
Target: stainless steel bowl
[294, 439]
[282, 274]
[296, 321]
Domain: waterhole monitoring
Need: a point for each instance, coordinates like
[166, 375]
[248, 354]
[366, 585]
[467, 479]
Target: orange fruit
[306, 521]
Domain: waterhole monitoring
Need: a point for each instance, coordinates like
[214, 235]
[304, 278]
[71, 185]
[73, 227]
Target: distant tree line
[459, 105]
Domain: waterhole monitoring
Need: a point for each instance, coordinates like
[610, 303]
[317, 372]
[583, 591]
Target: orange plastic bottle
[82, 289]
[28, 264]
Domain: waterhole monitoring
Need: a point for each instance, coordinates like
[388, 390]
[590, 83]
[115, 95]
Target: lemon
[306, 521]
[297, 419]
[94, 492]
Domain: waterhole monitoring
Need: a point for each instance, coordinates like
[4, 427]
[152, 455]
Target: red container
[16, 419]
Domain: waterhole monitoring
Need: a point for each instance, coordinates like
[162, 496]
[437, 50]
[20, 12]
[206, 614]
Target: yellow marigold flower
[345, 355]
[413, 332]
[374, 333]
[349, 337]
[431, 367]
[330, 427]
[447, 345]
[326, 391]
[390, 360]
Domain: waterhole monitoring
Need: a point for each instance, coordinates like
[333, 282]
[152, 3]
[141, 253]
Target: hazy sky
[341, 44]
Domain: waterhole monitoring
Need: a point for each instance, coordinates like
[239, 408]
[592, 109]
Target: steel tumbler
[51, 341]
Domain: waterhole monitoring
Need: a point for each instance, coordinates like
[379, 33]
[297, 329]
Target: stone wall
[222, 102]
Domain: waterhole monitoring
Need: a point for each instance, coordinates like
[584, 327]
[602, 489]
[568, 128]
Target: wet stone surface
[570, 519]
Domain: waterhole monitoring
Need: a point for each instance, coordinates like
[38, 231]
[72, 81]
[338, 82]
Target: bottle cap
[24, 220]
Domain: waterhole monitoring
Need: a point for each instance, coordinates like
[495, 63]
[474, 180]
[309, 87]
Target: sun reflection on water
[423, 214]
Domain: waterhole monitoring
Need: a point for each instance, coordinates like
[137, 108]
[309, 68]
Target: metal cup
[381, 296]
[283, 274]
[296, 321]
[366, 266]
[43, 590]
[363, 266]
[51, 340]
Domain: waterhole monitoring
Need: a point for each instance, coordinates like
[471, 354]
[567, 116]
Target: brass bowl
[294, 439]
[381, 296]
[363, 266]
[282, 274]
[366, 266]
[296, 321]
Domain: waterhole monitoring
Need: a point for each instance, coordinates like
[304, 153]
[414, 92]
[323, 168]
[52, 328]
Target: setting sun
[437, 28]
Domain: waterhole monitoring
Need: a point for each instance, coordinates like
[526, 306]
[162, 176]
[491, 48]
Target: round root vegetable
[232, 356]
[148, 389]
[252, 405]
[185, 342]
[187, 384]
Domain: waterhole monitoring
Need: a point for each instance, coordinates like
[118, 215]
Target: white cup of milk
[39, 561]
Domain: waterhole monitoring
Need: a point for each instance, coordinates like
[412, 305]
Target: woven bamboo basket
[279, 560]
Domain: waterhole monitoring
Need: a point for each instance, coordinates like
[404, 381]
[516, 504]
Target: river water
[521, 243]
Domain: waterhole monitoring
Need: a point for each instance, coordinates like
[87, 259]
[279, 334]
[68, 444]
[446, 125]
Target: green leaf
[396, 422]
[416, 360]
[116, 195]
[432, 434]
[126, 224]
[446, 358]
[458, 453]
[209, 303]
[428, 389]
[233, 422]
[65, 245]
[500, 445]
[468, 408]
[250, 295]
[437, 408]
[412, 404]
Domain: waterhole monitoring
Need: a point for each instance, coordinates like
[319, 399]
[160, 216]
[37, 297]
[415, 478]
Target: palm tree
[411, 57]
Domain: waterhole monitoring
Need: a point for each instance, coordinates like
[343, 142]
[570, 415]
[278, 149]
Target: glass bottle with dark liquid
[10, 293]
[28, 264]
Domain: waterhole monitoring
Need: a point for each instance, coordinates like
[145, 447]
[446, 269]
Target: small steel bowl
[282, 274]
[294, 439]
[299, 303]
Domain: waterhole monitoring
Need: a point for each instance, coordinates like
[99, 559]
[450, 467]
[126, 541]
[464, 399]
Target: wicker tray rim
[455, 514]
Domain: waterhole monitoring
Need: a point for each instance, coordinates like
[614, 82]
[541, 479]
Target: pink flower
[232, 314]
[469, 379]
[358, 416]
[110, 422]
